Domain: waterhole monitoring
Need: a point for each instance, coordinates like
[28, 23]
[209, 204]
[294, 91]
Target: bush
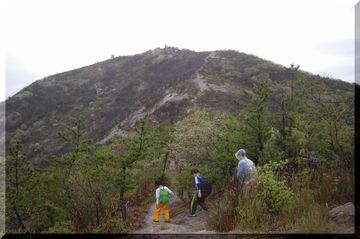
[222, 217]
[146, 175]
[258, 205]
[272, 154]
[272, 191]
[252, 213]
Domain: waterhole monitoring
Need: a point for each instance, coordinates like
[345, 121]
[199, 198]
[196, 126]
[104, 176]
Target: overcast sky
[43, 39]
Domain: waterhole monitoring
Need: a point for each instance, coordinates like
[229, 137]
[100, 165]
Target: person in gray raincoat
[246, 170]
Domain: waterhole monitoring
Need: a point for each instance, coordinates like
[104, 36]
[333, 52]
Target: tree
[331, 123]
[16, 164]
[290, 109]
[229, 141]
[256, 114]
[126, 152]
[25, 210]
[157, 144]
[194, 141]
[195, 136]
[64, 177]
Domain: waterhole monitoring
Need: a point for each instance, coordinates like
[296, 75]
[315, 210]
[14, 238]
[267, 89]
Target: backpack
[164, 195]
[205, 186]
[251, 173]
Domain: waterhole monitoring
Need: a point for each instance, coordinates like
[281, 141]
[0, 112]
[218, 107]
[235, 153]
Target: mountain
[161, 84]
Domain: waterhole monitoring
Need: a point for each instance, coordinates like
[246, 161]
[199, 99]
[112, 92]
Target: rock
[343, 214]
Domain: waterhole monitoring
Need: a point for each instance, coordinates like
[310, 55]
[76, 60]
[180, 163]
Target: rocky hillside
[162, 84]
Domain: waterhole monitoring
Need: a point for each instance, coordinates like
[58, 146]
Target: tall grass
[222, 217]
[304, 212]
[334, 190]
[312, 219]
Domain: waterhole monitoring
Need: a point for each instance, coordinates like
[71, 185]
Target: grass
[222, 217]
[334, 192]
[312, 220]
[305, 214]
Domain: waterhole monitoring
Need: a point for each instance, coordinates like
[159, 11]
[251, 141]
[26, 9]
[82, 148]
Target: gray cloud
[342, 71]
[341, 48]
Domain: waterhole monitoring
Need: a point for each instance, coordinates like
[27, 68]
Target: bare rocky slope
[111, 96]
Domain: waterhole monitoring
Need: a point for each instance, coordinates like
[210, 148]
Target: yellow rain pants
[165, 208]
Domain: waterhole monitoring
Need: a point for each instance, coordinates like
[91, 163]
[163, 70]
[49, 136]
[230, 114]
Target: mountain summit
[162, 84]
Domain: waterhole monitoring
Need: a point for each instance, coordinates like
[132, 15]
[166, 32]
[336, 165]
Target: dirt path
[179, 220]
[180, 223]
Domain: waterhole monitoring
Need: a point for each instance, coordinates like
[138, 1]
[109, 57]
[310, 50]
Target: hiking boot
[167, 221]
[155, 221]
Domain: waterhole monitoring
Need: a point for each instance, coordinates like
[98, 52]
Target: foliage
[25, 210]
[252, 214]
[269, 205]
[274, 192]
[258, 131]
[298, 129]
[228, 142]
[222, 216]
[88, 188]
[195, 136]
[194, 139]
[335, 189]
[313, 220]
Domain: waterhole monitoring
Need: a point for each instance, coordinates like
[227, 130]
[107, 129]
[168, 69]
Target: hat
[241, 152]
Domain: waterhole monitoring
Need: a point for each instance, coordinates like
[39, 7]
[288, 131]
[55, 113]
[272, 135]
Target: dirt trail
[180, 223]
[200, 80]
[179, 220]
[203, 83]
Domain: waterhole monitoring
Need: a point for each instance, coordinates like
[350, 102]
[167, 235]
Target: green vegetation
[2, 195]
[306, 164]
[88, 189]
[298, 128]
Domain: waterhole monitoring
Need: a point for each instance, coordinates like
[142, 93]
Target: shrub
[222, 217]
[252, 213]
[274, 192]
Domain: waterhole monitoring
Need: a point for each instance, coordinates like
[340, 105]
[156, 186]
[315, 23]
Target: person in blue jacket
[199, 195]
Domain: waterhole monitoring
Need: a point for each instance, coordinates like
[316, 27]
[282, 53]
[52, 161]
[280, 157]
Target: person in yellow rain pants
[162, 201]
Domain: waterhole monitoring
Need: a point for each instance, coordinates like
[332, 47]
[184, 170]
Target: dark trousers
[195, 201]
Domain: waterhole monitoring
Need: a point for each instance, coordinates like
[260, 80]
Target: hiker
[202, 188]
[162, 201]
[246, 171]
